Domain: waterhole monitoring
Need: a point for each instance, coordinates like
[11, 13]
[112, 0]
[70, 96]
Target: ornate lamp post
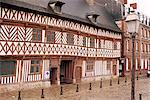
[133, 23]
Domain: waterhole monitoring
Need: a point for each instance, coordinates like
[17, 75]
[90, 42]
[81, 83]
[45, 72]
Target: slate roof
[74, 10]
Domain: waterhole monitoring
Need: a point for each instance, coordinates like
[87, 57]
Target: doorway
[53, 75]
[66, 71]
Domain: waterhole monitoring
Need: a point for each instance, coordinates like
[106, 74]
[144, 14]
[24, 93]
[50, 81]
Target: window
[115, 45]
[90, 65]
[7, 67]
[37, 35]
[99, 43]
[109, 66]
[92, 42]
[50, 36]
[35, 66]
[70, 39]
[84, 41]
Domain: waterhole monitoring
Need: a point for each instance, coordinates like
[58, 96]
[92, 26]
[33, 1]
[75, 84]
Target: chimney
[123, 1]
[133, 5]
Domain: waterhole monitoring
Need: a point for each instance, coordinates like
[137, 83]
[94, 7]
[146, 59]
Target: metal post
[133, 70]
[77, 89]
[140, 96]
[90, 88]
[42, 95]
[61, 90]
[101, 83]
[19, 95]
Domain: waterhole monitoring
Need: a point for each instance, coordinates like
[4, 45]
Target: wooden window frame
[8, 72]
[50, 33]
[36, 65]
[36, 38]
[90, 65]
[92, 42]
[84, 41]
[70, 38]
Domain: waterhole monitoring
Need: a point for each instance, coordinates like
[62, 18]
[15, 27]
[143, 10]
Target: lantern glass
[133, 23]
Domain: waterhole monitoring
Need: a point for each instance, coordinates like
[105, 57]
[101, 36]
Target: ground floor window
[36, 66]
[90, 65]
[7, 67]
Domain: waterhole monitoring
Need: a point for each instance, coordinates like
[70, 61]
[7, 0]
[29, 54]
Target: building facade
[41, 42]
[142, 44]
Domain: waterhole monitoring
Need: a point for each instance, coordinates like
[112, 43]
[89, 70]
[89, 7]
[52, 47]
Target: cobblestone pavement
[117, 91]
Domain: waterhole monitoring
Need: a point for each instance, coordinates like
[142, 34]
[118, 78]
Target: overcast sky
[143, 6]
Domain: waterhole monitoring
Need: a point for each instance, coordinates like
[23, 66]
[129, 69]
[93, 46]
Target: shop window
[37, 35]
[7, 67]
[35, 66]
[50, 36]
[90, 65]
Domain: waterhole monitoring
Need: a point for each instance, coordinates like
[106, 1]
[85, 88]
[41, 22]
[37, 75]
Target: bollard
[61, 90]
[140, 96]
[137, 78]
[118, 81]
[90, 86]
[101, 83]
[77, 89]
[42, 95]
[125, 80]
[19, 95]
[110, 82]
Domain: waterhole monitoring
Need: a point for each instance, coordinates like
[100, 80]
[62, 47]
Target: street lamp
[133, 23]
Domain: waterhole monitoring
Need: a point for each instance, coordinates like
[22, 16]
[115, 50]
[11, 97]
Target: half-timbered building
[66, 41]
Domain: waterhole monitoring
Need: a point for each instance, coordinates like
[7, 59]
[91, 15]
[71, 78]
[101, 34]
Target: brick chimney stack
[133, 5]
[123, 1]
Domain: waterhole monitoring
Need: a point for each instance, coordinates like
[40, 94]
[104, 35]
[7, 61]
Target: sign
[46, 74]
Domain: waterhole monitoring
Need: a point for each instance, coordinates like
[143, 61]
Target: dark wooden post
[61, 90]
[90, 88]
[77, 89]
[42, 95]
[19, 95]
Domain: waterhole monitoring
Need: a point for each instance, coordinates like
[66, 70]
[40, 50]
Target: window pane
[32, 69]
[84, 41]
[92, 42]
[37, 68]
[37, 35]
[51, 37]
[7, 67]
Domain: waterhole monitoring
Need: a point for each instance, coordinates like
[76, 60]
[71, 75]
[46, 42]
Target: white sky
[143, 6]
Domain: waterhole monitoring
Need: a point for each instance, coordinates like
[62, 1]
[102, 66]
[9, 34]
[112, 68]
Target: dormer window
[56, 6]
[92, 18]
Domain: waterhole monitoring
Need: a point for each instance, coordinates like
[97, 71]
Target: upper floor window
[115, 45]
[84, 41]
[99, 43]
[37, 35]
[70, 39]
[7, 67]
[50, 36]
[92, 42]
[35, 66]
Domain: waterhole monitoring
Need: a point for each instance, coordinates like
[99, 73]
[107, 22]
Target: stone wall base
[97, 78]
[24, 86]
